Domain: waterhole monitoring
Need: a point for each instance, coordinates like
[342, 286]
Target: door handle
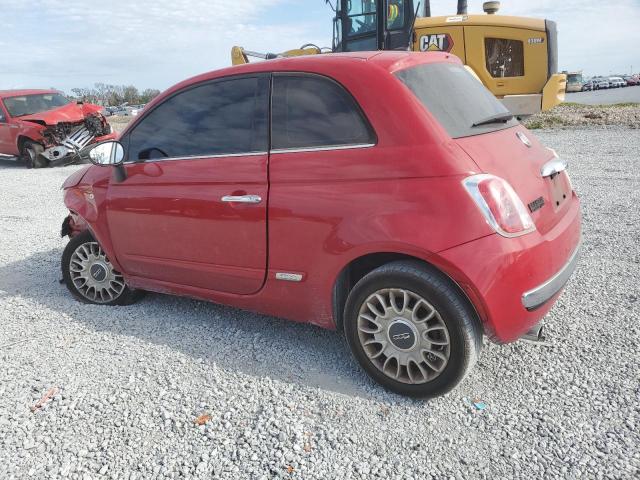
[242, 198]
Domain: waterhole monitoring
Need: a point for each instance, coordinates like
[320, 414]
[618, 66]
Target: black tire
[32, 155]
[128, 296]
[453, 308]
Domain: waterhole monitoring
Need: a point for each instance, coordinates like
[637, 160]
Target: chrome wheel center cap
[402, 334]
[98, 272]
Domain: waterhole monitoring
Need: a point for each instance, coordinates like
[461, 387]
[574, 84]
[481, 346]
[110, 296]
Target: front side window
[219, 118]
[505, 58]
[30, 104]
[2, 118]
[310, 111]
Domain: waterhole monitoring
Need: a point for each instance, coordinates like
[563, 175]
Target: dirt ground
[575, 114]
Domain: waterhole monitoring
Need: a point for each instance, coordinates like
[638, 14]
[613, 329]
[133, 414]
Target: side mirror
[105, 154]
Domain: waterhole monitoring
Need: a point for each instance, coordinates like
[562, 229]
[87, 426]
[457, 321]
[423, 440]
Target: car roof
[19, 93]
[391, 61]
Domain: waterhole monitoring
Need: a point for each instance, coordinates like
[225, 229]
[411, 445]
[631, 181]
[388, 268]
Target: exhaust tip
[536, 334]
[491, 8]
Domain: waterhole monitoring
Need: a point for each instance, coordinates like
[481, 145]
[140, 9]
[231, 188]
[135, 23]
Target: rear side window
[505, 58]
[219, 118]
[310, 111]
[460, 103]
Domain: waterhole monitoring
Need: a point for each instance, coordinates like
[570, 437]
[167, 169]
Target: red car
[389, 195]
[44, 128]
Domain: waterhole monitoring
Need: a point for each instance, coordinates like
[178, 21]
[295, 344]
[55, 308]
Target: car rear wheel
[32, 155]
[90, 276]
[411, 329]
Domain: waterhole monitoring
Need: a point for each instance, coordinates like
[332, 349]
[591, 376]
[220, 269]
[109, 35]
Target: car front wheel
[32, 155]
[90, 276]
[411, 329]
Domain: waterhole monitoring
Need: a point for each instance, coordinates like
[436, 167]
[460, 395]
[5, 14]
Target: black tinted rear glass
[456, 99]
[313, 111]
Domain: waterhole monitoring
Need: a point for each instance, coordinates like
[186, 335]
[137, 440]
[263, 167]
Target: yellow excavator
[516, 58]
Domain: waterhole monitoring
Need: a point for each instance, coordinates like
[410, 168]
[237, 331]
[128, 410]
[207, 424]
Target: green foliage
[113, 95]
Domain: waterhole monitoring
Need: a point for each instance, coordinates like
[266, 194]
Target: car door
[7, 146]
[192, 209]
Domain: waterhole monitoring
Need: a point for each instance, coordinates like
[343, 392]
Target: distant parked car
[119, 110]
[595, 84]
[135, 109]
[617, 82]
[586, 86]
[631, 80]
[601, 82]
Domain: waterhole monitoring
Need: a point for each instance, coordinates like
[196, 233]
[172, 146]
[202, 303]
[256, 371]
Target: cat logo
[436, 42]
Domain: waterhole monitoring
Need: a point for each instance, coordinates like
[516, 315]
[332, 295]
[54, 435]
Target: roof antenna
[413, 26]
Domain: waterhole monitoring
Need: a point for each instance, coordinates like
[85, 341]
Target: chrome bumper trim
[538, 296]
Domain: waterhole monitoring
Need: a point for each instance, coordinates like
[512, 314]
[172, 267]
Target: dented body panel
[62, 131]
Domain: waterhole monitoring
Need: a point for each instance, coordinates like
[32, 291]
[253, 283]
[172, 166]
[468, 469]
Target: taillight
[500, 205]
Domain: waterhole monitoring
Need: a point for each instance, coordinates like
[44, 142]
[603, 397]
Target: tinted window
[505, 58]
[2, 119]
[312, 111]
[456, 99]
[224, 117]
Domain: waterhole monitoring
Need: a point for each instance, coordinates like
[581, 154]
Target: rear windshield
[456, 99]
[30, 104]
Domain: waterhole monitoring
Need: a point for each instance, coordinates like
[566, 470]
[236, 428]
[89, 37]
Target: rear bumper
[540, 295]
[514, 282]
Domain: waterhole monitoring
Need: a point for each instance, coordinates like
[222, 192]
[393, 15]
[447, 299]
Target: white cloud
[155, 43]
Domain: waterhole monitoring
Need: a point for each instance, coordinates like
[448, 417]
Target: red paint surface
[166, 230]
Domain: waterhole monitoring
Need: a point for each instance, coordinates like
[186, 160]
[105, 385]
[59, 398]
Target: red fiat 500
[386, 194]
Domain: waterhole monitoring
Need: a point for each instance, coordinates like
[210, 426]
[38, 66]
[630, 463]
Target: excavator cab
[361, 25]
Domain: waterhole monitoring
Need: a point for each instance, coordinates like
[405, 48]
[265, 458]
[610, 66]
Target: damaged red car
[45, 128]
[388, 195]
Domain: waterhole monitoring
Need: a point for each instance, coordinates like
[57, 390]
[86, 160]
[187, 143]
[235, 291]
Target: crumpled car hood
[68, 113]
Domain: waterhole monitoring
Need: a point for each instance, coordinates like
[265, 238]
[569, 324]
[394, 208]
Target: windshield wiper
[499, 118]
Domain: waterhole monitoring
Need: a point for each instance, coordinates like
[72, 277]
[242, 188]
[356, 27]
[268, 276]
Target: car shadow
[233, 339]
[8, 163]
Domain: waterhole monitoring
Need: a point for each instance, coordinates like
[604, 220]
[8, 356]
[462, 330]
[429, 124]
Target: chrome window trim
[322, 149]
[540, 295]
[196, 157]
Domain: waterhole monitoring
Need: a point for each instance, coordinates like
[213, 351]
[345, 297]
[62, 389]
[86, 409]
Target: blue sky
[156, 43]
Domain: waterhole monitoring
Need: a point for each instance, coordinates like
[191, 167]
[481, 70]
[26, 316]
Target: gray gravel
[287, 400]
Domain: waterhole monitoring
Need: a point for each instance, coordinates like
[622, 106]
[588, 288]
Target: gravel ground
[574, 115]
[279, 399]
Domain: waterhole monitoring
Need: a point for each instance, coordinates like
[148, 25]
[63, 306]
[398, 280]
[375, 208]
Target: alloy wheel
[403, 336]
[93, 274]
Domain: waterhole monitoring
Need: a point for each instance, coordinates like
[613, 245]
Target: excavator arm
[240, 56]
